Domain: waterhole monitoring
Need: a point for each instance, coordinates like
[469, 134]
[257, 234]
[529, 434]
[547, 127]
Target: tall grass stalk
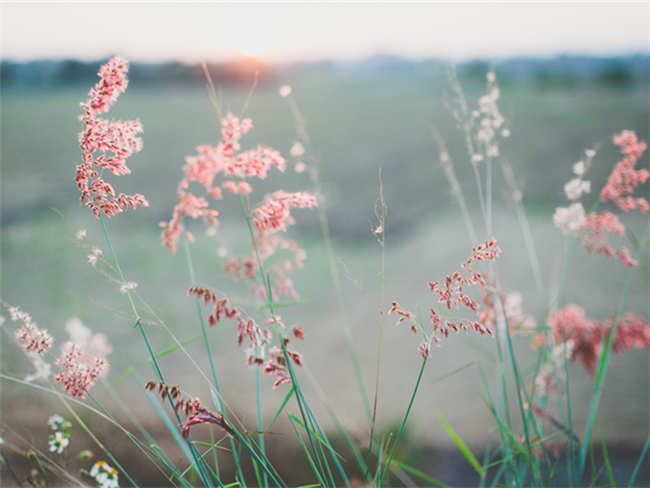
[605, 356]
[200, 463]
[314, 175]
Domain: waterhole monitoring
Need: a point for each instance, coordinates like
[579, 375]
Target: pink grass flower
[624, 178]
[32, 337]
[198, 414]
[592, 229]
[107, 144]
[274, 215]
[77, 376]
[224, 159]
[452, 294]
[587, 336]
[241, 187]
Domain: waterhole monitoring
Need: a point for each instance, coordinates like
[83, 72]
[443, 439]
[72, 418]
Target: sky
[311, 31]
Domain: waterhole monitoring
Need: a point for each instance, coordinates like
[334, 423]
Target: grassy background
[359, 121]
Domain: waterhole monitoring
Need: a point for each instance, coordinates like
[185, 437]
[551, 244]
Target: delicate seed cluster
[258, 337]
[592, 229]
[114, 141]
[192, 407]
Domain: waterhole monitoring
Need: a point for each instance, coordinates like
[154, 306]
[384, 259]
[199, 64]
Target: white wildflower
[576, 187]
[105, 475]
[58, 442]
[570, 219]
[297, 150]
[579, 168]
[55, 421]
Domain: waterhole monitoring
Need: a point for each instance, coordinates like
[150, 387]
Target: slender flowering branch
[106, 144]
[592, 228]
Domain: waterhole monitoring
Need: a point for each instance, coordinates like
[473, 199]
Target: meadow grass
[541, 440]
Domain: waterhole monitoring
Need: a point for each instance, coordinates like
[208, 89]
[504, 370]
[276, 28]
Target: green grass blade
[284, 404]
[178, 346]
[304, 447]
[123, 375]
[461, 445]
[423, 476]
[608, 466]
[401, 429]
[283, 304]
[603, 363]
[316, 436]
[170, 426]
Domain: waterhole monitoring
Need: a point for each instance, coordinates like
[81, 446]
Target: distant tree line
[562, 72]
[71, 72]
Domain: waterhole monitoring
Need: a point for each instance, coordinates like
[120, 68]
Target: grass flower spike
[592, 228]
[75, 375]
[32, 337]
[106, 144]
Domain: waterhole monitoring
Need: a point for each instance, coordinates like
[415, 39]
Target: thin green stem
[401, 429]
[260, 424]
[603, 363]
[312, 156]
[220, 407]
[203, 475]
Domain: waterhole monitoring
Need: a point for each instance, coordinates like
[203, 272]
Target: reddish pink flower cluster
[278, 366]
[33, 338]
[619, 188]
[258, 337]
[452, 294]
[508, 309]
[595, 241]
[77, 376]
[114, 140]
[403, 315]
[587, 336]
[198, 414]
[624, 179]
[206, 166]
[192, 407]
[268, 218]
[274, 214]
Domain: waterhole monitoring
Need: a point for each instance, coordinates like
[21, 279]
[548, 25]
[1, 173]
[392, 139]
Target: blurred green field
[359, 123]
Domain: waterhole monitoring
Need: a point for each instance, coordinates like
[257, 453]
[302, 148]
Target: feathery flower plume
[273, 215]
[586, 336]
[114, 141]
[592, 229]
[75, 375]
[226, 159]
[453, 295]
[624, 178]
[193, 408]
[32, 337]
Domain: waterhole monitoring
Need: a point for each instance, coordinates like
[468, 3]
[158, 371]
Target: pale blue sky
[161, 31]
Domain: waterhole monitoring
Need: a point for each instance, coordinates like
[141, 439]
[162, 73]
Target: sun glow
[253, 36]
[253, 45]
